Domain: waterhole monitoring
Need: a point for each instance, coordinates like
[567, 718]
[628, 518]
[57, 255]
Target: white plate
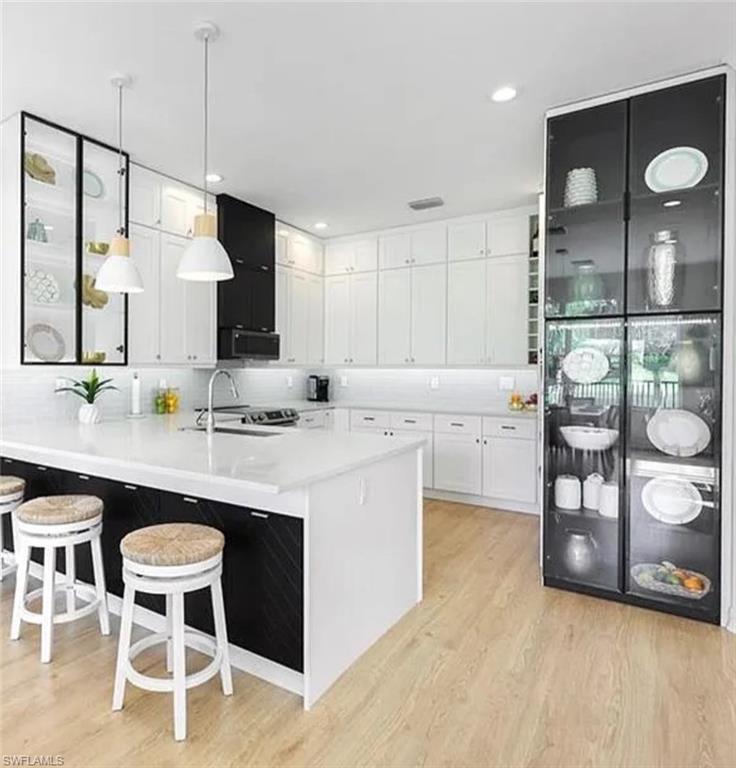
[672, 500]
[676, 168]
[678, 433]
[92, 184]
[45, 342]
[586, 365]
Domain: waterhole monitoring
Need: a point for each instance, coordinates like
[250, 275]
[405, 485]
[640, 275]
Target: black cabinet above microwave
[247, 233]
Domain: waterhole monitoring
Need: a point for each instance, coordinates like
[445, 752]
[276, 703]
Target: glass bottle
[661, 269]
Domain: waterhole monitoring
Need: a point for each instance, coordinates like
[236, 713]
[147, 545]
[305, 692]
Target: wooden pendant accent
[120, 246]
[205, 225]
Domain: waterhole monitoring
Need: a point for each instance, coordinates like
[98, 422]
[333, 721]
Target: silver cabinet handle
[189, 500]
[262, 515]
[42, 469]
[131, 487]
[83, 477]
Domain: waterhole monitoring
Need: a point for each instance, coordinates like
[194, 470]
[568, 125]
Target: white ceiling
[344, 112]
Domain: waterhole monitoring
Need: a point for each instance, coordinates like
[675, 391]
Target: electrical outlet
[343, 381]
[506, 383]
[289, 381]
[434, 382]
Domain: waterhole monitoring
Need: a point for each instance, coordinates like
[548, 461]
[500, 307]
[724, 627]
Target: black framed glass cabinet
[633, 347]
[69, 214]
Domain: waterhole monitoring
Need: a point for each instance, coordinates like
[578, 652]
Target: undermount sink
[232, 431]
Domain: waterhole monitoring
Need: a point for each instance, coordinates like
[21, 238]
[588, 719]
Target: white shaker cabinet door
[337, 320]
[365, 255]
[282, 313]
[176, 209]
[510, 469]
[466, 312]
[315, 340]
[200, 322]
[143, 308]
[457, 463]
[363, 318]
[282, 247]
[466, 240]
[173, 301]
[428, 314]
[144, 197]
[508, 304]
[298, 317]
[338, 258]
[394, 317]
[393, 251]
[508, 235]
[427, 453]
[428, 246]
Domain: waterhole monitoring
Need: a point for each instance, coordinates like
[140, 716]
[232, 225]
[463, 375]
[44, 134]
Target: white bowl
[589, 438]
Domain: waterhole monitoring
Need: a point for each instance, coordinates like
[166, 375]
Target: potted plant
[89, 390]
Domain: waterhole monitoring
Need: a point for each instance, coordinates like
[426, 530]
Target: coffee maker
[318, 388]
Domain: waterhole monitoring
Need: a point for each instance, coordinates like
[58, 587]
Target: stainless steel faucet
[210, 422]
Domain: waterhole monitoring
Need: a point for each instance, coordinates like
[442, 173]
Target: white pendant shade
[118, 273]
[205, 259]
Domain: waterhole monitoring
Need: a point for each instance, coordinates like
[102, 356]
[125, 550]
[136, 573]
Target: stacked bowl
[581, 187]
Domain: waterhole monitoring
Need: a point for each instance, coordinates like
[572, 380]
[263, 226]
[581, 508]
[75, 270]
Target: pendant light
[204, 258]
[118, 273]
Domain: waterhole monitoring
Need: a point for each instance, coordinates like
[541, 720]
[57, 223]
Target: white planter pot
[88, 414]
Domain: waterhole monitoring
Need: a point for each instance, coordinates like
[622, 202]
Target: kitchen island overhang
[322, 557]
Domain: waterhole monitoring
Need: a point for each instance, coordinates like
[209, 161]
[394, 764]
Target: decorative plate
[92, 184]
[676, 168]
[42, 287]
[45, 342]
[586, 365]
[672, 500]
[678, 433]
[670, 580]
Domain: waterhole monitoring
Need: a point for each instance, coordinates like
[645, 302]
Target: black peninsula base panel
[262, 567]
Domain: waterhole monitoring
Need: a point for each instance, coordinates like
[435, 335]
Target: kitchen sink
[232, 431]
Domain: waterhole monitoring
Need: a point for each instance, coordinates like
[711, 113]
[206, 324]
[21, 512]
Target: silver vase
[662, 263]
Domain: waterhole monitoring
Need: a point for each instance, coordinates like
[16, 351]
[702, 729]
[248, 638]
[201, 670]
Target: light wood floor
[490, 670]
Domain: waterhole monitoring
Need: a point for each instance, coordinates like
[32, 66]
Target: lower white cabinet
[457, 463]
[173, 321]
[427, 453]
[510, 469]
[350, 319]
[299, 319]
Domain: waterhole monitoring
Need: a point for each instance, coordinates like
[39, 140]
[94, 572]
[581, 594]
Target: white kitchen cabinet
[299, 316]
[428, 246]
[350, 319]
[316, 319]
[352, 256]
[298, 250]
[466, 312]
[394, 251]
[457, 463]
[176, 209]
[510, 469]
[172, 300]
[337, 419]
[427, 452]
[507, 235]
[466, 240]
[144, 316]
[144, 197]
[337, 320]
[507, 279]
[312, 419]
[394, 316]
[428, 314]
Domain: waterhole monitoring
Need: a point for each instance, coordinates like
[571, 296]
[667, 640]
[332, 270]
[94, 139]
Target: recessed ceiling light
[213, 178]
[505, 93]
[320, 225]
[672, 203]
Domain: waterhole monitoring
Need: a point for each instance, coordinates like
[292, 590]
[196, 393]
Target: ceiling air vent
[427, 202]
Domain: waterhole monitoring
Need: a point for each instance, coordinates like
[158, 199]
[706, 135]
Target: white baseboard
[482, 501]
[246, 661]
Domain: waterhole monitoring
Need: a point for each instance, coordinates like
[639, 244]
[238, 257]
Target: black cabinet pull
[410, 421]
[190, 500]
[504, 426]
[457, 424]
[262, 515]
[369, 418]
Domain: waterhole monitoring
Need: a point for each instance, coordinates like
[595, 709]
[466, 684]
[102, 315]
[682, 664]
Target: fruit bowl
[589, 438]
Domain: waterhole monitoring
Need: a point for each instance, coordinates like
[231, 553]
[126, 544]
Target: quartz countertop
[155, 448]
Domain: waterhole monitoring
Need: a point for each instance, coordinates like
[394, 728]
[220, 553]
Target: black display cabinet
[633, 300]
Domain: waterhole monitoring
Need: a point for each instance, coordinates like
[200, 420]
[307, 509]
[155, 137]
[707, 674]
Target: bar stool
[11, 495]
[51, 522]
[172, 559]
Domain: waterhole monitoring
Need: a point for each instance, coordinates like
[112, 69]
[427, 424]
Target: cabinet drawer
[369, 419]
[458, 424]
[411, 421]
[496, 426]
[312, 419]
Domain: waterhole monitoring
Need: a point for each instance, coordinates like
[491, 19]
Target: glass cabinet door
[49, 243]
[586, 181]
[583, 468]
[673, 439]
[103, 314]
[675, 180]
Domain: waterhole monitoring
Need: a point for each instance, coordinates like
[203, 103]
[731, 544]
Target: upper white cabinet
[352, 256]
[144, 312]
[350, 319]
[160, 202]
[498, 235]
[299, 315]
[421, 246]
[466, 313]
[411, 315]
[299, 250]
[394, 251]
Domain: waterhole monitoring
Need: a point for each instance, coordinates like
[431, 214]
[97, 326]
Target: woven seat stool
[11, 495]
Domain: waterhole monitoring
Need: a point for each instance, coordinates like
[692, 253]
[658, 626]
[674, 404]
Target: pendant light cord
[206, 112]
[121, 231]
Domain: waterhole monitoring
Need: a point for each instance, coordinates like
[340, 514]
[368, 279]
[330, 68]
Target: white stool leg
[22, 558]
[126, 625]
[169, 634]
[100, 588]
[180, 691]
[218, 611]
[47, 610]
[71, 577]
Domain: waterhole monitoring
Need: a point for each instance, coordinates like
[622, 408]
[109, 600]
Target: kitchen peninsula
[323, 530]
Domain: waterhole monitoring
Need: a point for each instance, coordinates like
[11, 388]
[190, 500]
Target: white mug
[609, 500]
[567, 492]
[592, 491]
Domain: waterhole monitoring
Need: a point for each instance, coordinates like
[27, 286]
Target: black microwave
[238, 343]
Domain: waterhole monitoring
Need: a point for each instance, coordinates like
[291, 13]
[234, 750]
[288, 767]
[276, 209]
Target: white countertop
[141, 450]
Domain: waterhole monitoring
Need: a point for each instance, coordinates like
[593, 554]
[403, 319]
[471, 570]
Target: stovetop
[253, 415]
